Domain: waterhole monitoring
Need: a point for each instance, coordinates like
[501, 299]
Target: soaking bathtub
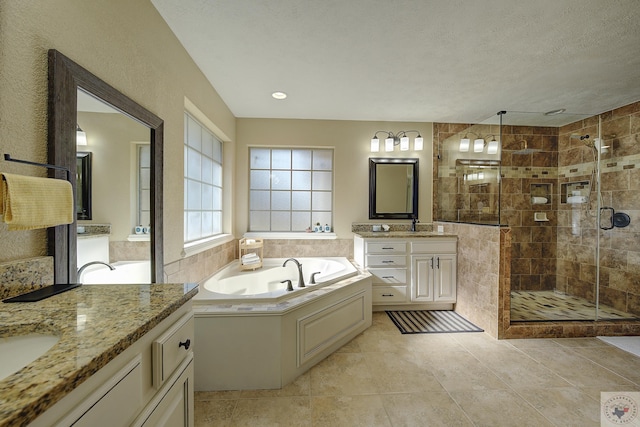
[126, 272]
[264, 285]
[252, 333]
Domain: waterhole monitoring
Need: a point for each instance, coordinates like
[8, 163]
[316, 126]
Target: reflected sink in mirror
[18, 351]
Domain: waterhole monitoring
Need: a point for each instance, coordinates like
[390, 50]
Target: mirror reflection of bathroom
[118, 231]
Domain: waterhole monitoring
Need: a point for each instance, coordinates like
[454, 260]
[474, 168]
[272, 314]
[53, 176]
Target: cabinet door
[115, 403]
[445, 278]
[422, 277]
[176, 407]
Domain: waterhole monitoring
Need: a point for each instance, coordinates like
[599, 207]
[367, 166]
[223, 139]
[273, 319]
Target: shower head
[580, 137]
[526, 150]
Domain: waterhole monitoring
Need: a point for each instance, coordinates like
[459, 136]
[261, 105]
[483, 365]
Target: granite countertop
[95, 323]
[403, 234]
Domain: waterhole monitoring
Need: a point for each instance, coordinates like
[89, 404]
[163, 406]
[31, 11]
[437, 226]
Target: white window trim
[194, 248]
[201, 245]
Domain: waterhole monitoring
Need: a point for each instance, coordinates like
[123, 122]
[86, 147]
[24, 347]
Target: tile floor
[549, 305]
[383, 378]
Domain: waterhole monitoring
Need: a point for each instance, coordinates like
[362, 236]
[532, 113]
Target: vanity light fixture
[492, 147]
[400, 138]
[464, 144]
[81, 136]
[478, 145]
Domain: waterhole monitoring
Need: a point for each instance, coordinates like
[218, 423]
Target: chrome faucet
[81, 269]
[414, 220]
[300, 278]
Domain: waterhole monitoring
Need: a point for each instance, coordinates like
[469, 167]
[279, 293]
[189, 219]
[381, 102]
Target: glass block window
[202, 182]
[290, 189]
[144, 185]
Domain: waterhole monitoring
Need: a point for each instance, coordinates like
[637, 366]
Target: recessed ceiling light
[279, 95]
[554, 112]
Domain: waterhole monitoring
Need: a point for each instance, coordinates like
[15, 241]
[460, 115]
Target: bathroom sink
[18, 351]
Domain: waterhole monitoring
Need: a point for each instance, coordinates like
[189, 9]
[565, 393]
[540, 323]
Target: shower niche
[541, 194]
[574, 192]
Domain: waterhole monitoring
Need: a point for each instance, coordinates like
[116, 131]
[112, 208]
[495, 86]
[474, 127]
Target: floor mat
[431, 322]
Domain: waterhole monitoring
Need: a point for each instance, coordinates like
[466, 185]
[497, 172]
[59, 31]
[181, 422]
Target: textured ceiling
[420, 60]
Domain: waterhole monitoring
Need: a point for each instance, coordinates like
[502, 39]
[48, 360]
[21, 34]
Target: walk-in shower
[567, 188]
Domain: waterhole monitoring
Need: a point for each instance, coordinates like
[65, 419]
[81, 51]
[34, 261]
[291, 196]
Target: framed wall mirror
[66, 78]
[393, 188]
[83, 185]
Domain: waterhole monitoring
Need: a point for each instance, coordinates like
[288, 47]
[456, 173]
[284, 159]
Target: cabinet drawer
[117, 400]
[171, 348]
[434, 246]
[389, 275]
[389, 294]
[386, 260]
[386, 247]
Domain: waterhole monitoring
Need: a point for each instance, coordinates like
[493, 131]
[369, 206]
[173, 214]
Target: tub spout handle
[313, 277]
[81, 269]
[300, 277]
[289, 285]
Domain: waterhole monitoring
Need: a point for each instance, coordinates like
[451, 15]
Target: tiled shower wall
[526, 175]
[483, 271]
[460, 199]
[620, 189]
[533, 243]
[553, 254]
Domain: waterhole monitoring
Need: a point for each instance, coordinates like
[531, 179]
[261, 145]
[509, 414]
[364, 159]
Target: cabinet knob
[185, 344]
[387, 295]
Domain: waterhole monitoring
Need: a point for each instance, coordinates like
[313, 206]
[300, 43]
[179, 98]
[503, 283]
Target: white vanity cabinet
[386, 260]
[415, 272]
[148, 384]
[433, 270]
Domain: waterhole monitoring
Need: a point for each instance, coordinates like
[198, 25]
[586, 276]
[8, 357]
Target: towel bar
[8, 158]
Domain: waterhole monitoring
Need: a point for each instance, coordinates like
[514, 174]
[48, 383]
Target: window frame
[315, 195]
[217, 184]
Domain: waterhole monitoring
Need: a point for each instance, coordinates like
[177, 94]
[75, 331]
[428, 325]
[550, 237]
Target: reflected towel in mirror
[28, 202]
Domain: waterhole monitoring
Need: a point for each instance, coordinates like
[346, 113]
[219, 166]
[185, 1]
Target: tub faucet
[300, 278]
[81, 269]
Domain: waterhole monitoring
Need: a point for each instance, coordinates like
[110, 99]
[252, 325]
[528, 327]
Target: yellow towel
[28, 202]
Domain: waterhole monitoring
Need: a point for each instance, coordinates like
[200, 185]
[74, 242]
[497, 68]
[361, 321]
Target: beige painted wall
[351, 141]
[127, 44]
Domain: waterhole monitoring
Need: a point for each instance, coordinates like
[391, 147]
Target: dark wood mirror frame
[373, 195]
[83, 188]
[65, 78]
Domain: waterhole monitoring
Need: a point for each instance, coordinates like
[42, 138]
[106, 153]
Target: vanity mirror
[393, 188]
[83, 185]
[65, 79]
